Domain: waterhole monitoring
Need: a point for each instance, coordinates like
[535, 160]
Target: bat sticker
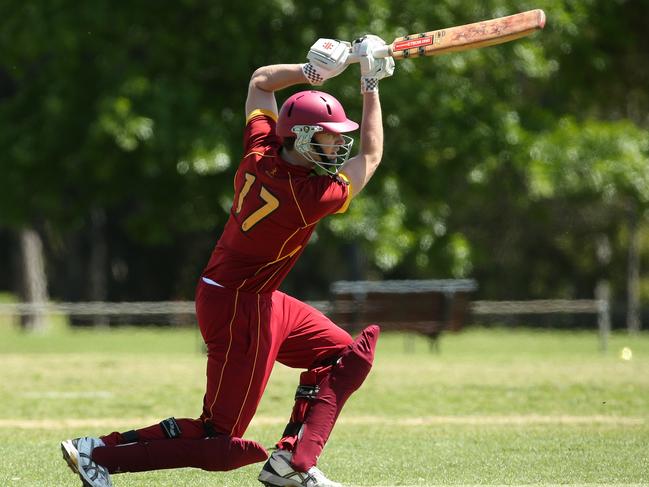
[412, 43]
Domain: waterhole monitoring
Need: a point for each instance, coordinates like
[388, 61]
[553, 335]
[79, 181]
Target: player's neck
[295, 158]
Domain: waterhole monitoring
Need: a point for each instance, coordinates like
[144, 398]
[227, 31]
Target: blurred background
[524, 167]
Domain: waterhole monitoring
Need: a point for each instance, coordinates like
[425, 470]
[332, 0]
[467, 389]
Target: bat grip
[381, 52]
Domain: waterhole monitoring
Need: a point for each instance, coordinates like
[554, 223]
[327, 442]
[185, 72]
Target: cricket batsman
[295, 171]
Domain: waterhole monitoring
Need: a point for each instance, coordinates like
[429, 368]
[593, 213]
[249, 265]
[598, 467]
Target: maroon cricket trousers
[245, 334]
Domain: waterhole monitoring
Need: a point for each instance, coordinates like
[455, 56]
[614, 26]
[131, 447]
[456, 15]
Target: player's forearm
[277, 77]
[372, 131]
[360, 168]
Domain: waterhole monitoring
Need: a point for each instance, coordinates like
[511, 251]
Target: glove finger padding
[372, 69]
[361, 45]
[383, 68]
[327, 58]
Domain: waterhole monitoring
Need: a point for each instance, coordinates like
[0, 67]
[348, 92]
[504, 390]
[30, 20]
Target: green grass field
[492, 407]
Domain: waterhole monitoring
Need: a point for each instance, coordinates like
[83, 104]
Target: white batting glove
[372, 69]
[327, 58]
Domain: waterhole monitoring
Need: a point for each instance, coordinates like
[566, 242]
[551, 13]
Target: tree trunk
[34, 278]
[603, 297]
[355, 262]
[603, 291]
[98, 267]
[633, 275]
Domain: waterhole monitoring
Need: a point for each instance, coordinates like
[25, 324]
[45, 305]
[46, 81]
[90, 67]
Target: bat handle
[380, 52]
[383, 51]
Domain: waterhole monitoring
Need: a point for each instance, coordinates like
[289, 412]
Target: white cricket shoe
[77, 454]
[278, 472]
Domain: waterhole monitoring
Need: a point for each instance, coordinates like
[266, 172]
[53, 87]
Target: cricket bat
[464, 37]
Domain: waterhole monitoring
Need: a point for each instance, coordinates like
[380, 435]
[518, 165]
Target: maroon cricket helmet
[313, 108]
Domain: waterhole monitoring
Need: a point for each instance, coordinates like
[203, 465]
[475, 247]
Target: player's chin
[327, 158]
[332, 158]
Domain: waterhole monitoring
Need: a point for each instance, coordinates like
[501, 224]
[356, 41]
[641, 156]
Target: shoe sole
[71, 457]
[271, 480]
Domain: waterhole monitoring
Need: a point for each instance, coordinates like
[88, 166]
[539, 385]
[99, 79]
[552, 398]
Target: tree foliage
[505, 163]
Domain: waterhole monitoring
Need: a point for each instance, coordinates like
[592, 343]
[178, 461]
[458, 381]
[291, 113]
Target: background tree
[121, 131]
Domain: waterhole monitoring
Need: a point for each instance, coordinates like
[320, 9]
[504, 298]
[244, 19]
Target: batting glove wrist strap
[369, 85]
[312, 74]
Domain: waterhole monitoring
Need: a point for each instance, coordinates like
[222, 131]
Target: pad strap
[130, 437]
[309, 392]
[170, 428]
[305, 395]
[292, 429]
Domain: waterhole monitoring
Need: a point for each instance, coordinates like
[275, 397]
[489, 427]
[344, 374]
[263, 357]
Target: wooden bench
[424, 306]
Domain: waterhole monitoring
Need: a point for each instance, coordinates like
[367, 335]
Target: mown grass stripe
[506, 485]
[513, 420]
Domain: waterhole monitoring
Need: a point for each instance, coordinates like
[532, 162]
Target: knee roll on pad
[356, 360]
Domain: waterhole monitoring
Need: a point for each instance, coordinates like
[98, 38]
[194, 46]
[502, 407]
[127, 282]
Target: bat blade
[465, 37]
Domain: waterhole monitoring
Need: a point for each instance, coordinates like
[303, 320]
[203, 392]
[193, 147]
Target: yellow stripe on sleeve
[261, 111]
[345, 205]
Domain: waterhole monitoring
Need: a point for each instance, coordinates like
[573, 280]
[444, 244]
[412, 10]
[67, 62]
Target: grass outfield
[493, 407]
